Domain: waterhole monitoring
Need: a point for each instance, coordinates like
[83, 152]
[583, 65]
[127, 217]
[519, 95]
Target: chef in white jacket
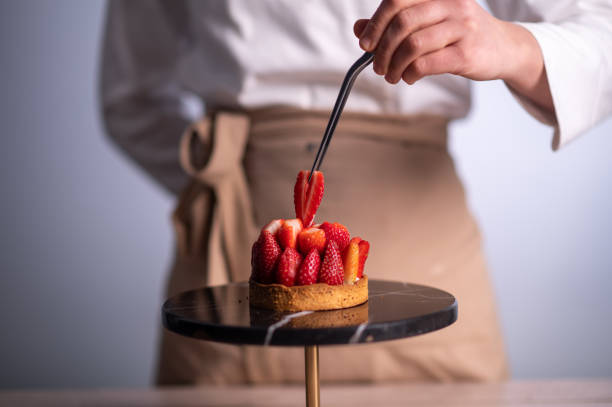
[271, 69]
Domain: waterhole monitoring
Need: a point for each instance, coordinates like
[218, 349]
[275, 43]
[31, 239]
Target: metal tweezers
[345, 89]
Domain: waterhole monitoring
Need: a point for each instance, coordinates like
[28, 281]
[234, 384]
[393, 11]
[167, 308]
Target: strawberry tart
[300, 266]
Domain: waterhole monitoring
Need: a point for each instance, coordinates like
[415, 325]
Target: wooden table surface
[516, 393]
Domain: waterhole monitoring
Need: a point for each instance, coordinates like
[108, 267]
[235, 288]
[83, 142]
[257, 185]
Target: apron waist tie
[223, 234]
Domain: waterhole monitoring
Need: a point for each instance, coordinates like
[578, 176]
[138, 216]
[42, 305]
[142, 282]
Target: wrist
[522, 60]
[523, 68]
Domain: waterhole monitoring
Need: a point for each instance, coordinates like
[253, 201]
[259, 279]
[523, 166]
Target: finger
[446, 60]
[359, 26]
[422, 42]
[379, 21]
[402, 25]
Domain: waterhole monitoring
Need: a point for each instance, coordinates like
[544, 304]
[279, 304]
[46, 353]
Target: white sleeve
[144, 106]
[576, 42]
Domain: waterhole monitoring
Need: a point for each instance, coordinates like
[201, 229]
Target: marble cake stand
[394, 310]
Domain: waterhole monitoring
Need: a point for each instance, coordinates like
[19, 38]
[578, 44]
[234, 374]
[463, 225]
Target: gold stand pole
[311, 363]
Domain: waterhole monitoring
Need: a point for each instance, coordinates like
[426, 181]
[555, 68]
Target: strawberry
[364, 248]
[254, 252]
[288, 233]
[311, 238]
[338, 233]
[307, 196]
[350, 261]
[288, 265]
[332, 272]
[265, 254]
[308, 272]
[273, 226]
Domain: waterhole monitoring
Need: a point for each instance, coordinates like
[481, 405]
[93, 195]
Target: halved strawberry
[332, 272]
[337, 233]
[273, 226]
[307, 196]
[265, 254]
[308, 273]
[288, 233]
[364, 248]
[288, 265]
[311, 238]
[350, 261]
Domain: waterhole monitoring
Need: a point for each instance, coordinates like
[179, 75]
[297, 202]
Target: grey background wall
[85, 238]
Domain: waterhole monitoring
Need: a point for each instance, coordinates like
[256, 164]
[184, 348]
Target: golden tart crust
[314, 297]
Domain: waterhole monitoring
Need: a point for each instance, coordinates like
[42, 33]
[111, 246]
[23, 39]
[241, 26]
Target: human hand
[411, 39]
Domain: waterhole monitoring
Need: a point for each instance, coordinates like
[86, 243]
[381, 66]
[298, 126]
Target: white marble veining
[282, 322]
[358, 332]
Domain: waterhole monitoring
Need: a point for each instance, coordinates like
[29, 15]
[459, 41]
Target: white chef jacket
[165, 62]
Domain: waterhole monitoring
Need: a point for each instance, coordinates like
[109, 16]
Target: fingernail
[364, 43]
[377, 69]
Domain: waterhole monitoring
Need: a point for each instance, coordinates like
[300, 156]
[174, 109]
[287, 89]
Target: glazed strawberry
[338, 233]
[332, 272]
[307, 196]
[288, 265]
[274, 226]
[350, 261]
[265, 254]
[311, 238]
[308, 273]
[288, 233]
[364, 248]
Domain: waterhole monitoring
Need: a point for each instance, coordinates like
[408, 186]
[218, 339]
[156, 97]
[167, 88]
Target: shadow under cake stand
[394, 310]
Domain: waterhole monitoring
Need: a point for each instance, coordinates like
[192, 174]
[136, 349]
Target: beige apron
[390, 180]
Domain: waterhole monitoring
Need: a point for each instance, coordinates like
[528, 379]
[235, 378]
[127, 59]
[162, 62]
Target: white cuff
[575, 70]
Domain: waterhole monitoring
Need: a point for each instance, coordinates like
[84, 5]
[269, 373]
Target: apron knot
[211, 152]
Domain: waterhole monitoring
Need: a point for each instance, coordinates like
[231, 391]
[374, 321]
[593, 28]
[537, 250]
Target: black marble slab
[394, 310]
